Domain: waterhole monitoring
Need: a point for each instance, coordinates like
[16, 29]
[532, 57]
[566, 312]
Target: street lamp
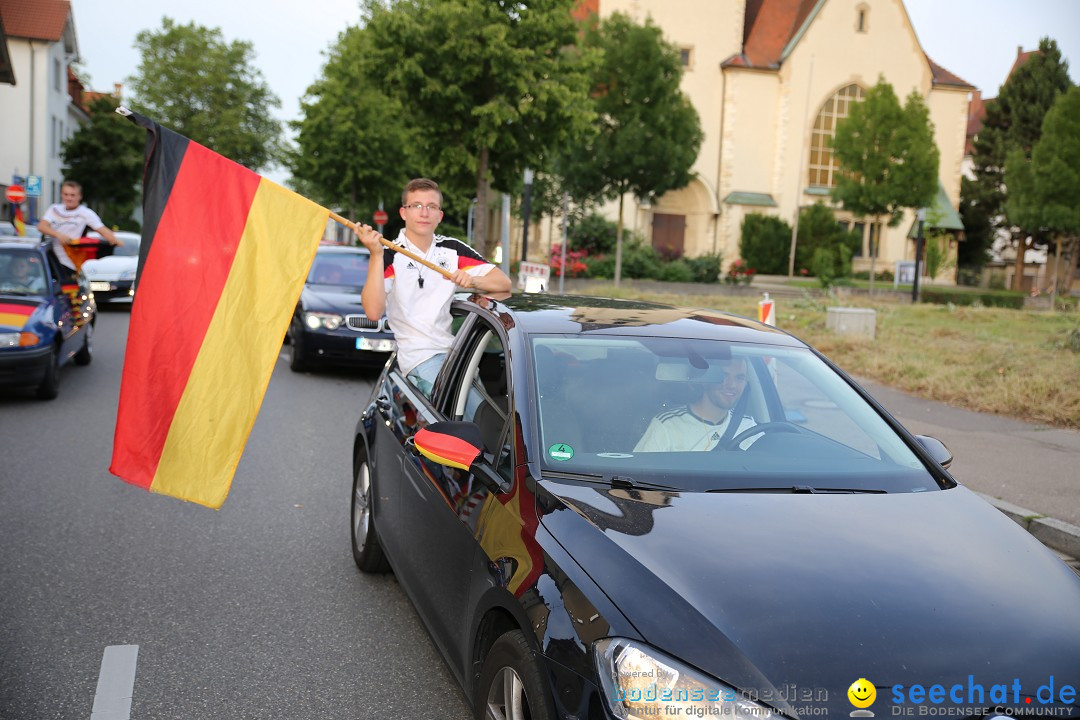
[918, 255]
[526, 206]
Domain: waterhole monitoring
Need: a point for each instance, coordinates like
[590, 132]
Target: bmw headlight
[127, 275]
[19, 339]
[316, 320]
[9, 339]
[640, 682]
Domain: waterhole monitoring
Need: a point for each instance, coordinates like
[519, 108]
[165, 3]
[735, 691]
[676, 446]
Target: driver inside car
[704, 423]
[24, 273]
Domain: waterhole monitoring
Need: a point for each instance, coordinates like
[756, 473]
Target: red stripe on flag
[464, 262]
[186, 268]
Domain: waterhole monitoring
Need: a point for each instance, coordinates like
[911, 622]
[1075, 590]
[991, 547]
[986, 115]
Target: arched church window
[823, 164]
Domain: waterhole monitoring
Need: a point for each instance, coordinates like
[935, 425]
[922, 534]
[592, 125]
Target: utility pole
[526, 207]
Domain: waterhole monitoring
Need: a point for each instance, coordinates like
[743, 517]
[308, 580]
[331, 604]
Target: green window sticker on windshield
[560, 451]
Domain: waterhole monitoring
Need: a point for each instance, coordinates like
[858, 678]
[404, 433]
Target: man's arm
[373, 296]
[107, 234]
[493, 281]
[48, 230]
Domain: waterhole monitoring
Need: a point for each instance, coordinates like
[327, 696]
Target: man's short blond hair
[71, 184]
[418, 184]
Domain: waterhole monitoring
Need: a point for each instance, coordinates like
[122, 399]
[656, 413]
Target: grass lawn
[1018, 363]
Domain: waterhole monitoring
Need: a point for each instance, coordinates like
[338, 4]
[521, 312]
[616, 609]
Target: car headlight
[316, 320]
[127, 275]
[641, 682]
[19, 339]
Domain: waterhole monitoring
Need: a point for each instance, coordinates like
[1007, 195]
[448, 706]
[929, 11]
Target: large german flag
[223, 259]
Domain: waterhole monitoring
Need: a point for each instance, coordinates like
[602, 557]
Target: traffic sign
[381, 217]
[33, 186]
[15, 194]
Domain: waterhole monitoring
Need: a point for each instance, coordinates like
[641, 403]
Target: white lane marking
[116, 681]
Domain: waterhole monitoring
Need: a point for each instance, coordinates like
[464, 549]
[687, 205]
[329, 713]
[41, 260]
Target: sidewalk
[1027, 471]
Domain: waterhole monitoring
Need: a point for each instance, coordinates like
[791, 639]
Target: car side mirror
[936, 449]
[458, 444]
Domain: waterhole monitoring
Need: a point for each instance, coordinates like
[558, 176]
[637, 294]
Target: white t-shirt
[73, 223]
[418, 298]
[680, 430]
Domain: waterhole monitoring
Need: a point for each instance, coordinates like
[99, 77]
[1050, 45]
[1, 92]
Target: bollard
[766, 311]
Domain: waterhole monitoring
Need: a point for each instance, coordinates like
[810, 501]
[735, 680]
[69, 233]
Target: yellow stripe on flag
[242, 344]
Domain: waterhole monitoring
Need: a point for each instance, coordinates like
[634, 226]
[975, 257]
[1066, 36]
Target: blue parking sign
[33, 186]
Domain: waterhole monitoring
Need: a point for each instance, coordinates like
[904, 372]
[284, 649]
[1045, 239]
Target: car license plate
[375, 345]
[98, 286]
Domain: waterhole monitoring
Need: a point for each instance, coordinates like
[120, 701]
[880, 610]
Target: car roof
[19, 243]
[342, 250]
[579, 315]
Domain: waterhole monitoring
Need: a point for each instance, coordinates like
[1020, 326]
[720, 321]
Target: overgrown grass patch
[1018, 363]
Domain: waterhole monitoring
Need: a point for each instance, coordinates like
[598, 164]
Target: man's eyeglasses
[430, 207]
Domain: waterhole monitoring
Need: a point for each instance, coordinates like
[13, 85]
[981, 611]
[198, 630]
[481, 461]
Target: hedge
[988, 298]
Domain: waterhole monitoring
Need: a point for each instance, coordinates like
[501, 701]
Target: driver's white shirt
[680, 430]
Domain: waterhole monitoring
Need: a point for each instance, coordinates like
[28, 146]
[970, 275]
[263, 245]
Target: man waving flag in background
[223, 260]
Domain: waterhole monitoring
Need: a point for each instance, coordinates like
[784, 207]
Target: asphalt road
[253, 611]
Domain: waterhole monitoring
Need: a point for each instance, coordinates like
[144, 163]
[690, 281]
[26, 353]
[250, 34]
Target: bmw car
[329, 327]
[112, 277]
[610, 509]
[46, 317]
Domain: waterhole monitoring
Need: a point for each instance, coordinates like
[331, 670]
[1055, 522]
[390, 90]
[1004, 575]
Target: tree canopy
[648, 133]
[194, 82]
[1043, 192]
[494, 85]
[888, 156]
[355, 145]
[1013, 122]
[105, 156]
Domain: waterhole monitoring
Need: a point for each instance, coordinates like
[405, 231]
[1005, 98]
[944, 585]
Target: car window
[339, 269]
[128, 247]
[481, 394]
[22, 273]
[688, 412]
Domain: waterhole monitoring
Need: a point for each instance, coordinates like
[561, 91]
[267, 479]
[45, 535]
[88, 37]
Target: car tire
[297, 361]
[366, 549]
[86, 354]
[50, 384]
[512, 682]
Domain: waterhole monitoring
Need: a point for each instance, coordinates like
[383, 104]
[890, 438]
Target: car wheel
[86, 354]
[366, 550]
[50, 384]
[297, 361]
[512, 685]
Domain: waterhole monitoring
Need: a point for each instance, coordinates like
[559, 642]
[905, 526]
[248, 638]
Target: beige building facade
[770, 79]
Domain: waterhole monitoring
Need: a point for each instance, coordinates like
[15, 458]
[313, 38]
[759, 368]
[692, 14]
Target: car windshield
[21, 273]
[339, 269]
[128, 246]
[712, 415]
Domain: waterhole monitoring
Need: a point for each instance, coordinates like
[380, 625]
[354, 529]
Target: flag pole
[397, 248]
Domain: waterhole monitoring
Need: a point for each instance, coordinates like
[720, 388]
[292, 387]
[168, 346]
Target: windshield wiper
[800, 489]
[619, 481]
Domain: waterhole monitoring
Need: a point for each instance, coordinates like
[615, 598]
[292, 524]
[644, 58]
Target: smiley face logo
[862, 693]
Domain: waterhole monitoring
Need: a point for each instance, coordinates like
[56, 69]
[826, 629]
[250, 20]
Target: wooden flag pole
[397, 248]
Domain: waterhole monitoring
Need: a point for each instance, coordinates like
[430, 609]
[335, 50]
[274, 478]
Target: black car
[329, 327]
[47, 316]
[817, 560]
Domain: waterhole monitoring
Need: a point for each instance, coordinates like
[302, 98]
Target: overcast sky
[975, 39]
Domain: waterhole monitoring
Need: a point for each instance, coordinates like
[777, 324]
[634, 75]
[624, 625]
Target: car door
[442, 505]
[64, 293]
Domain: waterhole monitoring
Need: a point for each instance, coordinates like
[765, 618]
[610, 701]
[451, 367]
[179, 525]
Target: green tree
[818, 228]
[1043, 192]
[764, 243]
[888, 156]
[648, 134]
[1014, 121]
[492, 84]
[192, 81]
[105, 156]
[347, 155]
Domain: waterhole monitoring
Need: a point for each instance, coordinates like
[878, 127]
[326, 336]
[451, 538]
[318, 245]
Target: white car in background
[112, 278]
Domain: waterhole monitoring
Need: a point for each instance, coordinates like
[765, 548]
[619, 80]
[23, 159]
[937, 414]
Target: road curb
[1057, 534]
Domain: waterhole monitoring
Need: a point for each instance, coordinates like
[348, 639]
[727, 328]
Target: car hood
[109, 268]
[814, 591]
[18, 311]
[346, 303]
